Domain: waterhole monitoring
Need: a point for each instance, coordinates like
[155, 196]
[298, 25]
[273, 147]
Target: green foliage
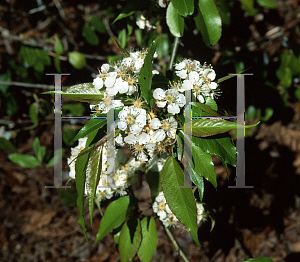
[77, 60]
[7, 145]
[259, 259]
[90, 28]
[175, 21]
[68, 196]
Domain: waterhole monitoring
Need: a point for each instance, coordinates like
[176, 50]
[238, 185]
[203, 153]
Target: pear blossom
[98, 83]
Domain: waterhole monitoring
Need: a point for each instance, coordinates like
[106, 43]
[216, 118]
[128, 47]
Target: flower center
[165, 126]
[130, 119]
[169, 99]
[161, 206]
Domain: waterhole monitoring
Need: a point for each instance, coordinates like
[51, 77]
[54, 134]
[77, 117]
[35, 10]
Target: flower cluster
[161, 208]
[197, 78]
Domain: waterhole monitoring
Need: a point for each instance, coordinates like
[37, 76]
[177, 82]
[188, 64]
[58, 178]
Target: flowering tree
[160, 129]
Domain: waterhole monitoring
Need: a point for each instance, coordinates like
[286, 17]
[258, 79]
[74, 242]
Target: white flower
[200, 212]
[180, 66]
[159, 135]
[98, 83]
[155, 123]
[172, 97]
[119, 140]
[182, 73]
[121, 85]
[130, 139]
[143, 139]
[133, 118]
[209, 73]
[162, 3]
[170, 126]
[105, 68]
[110, 79]
[106, 104]
[74, 153]
[155, 72]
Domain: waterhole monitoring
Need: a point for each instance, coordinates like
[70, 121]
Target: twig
[12, 83]
[169, 73]
[177, 248]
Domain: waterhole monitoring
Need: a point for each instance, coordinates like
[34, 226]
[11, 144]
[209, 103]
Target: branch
[177, 248]
[169, 73]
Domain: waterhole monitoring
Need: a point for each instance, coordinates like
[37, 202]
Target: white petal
[150, 146]
[135, 129]
[180, 66]
[161, 104]
[104, 68]
[119, 140]
[201, 98]
[209, 73]
[213, 85]
[187, 85]
[155, 72]
[121, 85]
[155, 123]
[159, 94]
[111, 91]
[172, 122]
[171, 133]
[110, 81]
[143, 139]
[122, 125]
[98, 83]
[173, 109]
[130, 139]
[193, 76]
[159, 135]
[182, 73]
[181, 100]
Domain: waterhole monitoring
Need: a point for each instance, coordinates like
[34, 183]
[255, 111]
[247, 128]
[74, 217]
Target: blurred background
[75, 37]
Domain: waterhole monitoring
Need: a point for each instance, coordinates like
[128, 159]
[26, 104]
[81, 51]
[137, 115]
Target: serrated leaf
[208, 21]
[199, 182]
[203, 165]
[149, 239]
[85, 92]
[212, 103]
[130, 239]
[93, 172]
[145, 77]
[92, 125]
[7, 145]
[80, 168]
[24, 160]
[184, 7]
[175, 21]
[90, 36]
[114, 216]
[209, 127]
[179, 198]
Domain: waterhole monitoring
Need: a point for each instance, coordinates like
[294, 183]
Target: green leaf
[77, 60]
[33, 113]
[267, 3]
[92, 125]
[80, 171]
[7, 145]
[38, 150]
[179, 198]
[90, 36]
[294, 64]
[220, 146]
[130, 239]
[198, 181]
[175, 21]
[209, 22]
[159, 81]
[154, 181]
[122, 38]
[68, 135]
[85, 92]
[259, 259]
[145, 77]
[68, 196]
[209, 127]
[202, 110]
[58, 46]
[7, 78]
[287, 78]
[149, 239]
[98, 24]
[203, 165]
[297, 94]
[73, 109]
[184, 7]
[114, 216]
[23, 160]
[93, 173]
[123, 15]
[248, 6]
[212, 103]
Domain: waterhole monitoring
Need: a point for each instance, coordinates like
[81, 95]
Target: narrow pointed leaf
[145, 77]
[179, 198]
[85, 92]
[209, 127]
[149, 239]
[198, 181]
[130, 239]
[93, 173]
[208, 21]
[92, 125]
[175, 21]
[184, 7]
